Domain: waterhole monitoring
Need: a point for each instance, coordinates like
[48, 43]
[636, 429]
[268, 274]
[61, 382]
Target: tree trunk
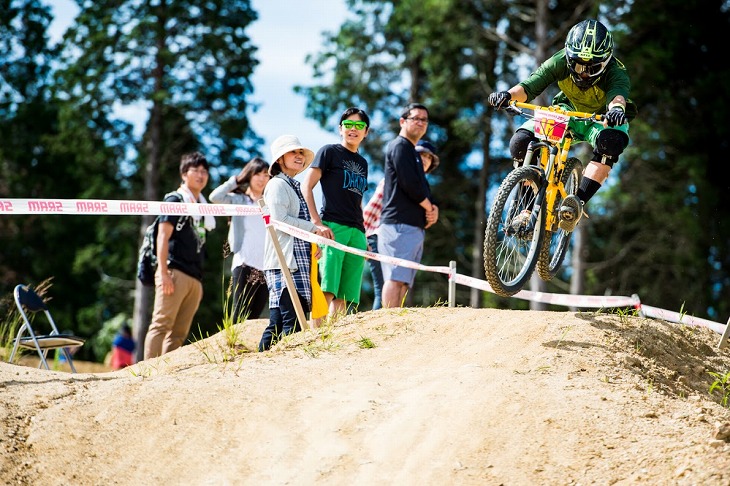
[143, 297]
[480, 215]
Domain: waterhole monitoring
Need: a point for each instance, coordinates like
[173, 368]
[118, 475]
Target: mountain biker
[591, 80]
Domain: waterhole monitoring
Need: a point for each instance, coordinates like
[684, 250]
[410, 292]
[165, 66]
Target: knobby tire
[510, 259]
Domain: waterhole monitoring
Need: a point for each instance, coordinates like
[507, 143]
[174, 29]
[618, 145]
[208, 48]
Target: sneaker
[571, 210]
[520, 222]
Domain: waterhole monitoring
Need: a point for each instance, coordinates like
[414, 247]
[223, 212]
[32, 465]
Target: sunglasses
[357, 125]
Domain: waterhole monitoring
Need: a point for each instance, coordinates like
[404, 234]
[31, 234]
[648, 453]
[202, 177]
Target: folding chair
[27, 300]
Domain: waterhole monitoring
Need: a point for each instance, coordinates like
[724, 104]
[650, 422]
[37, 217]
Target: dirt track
[446, 396]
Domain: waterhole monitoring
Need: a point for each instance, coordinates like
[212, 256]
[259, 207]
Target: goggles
[356, 124]
[593, 69]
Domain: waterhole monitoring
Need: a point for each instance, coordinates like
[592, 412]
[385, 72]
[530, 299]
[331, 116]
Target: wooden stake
[284, 267]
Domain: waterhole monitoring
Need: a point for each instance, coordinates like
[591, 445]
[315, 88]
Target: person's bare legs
[394, 293]
[337, 307]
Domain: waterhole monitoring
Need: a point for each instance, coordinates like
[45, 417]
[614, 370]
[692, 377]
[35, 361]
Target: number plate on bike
[550, 125]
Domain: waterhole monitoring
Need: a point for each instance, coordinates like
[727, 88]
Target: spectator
[407, 205]
[371, 215]
[123, 348]
[246, 239]
[343, 175]
[371, 220]
[180, 257]
[286, 203]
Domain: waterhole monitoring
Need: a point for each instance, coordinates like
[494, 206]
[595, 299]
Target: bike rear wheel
[511, 251]
[556, 243]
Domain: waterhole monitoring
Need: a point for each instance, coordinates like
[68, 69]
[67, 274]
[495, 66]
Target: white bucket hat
[287, 143]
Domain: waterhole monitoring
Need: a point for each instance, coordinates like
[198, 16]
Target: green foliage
[365, 343]
[721, 386]
[195, 57]
[9, 326]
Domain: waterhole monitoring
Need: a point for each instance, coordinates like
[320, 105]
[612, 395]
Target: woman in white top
[246, 238]
[286, 204]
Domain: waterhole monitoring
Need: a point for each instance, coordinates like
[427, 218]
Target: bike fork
[543, 177]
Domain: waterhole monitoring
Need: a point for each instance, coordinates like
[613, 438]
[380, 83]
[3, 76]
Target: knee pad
[519, 142]
[609, 145]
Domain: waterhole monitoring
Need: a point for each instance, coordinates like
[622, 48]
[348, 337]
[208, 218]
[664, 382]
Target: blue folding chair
[29, 302]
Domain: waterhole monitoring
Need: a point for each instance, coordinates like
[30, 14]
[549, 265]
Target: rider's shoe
[571, 211]
[520, 222]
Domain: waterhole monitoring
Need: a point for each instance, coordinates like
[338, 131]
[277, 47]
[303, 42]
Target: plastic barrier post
[725, 336]
[452, 284]
[284, 267]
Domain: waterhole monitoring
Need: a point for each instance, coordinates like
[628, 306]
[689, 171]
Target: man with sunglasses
[591, 80]
[408, 207]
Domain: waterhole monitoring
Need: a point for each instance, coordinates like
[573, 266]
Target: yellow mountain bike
[523, 228]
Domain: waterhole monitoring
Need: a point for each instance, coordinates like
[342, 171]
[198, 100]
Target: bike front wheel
[511, 247]
[556, 242]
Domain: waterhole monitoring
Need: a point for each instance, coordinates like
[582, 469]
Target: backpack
[147, 258]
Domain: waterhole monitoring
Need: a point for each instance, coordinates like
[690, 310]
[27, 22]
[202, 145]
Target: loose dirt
[411, 396]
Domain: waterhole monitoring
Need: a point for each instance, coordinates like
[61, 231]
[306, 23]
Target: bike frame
[557, 150]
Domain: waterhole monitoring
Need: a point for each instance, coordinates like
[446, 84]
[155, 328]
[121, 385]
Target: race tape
[132, 208]
[322, 241]
[666, 315]
[569, 300]
[121, 208]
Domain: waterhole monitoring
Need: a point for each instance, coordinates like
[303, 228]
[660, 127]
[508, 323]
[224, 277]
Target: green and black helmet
[588, 50]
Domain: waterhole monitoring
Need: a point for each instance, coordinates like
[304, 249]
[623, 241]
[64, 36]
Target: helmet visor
[590, 68]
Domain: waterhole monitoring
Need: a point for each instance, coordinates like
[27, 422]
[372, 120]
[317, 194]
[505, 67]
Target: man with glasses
[591, 80]
[408, 207]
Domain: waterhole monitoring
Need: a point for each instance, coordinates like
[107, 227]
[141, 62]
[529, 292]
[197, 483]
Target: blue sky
[285, 33]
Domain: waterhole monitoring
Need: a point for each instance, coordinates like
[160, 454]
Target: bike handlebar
[515, 105]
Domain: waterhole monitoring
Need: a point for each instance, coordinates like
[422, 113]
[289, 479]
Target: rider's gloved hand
[499, 99]
[615, 116]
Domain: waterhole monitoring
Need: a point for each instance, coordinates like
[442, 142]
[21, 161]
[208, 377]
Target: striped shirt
[371, 213]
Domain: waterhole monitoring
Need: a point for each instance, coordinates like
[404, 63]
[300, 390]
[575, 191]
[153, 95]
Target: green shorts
[341, 272]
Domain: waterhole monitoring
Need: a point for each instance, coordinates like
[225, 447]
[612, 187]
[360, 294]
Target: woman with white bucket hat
[285, 201]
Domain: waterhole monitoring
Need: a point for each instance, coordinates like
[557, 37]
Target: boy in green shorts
[343, 174]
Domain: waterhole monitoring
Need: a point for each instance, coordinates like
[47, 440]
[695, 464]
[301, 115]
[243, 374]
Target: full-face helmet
[588, 50]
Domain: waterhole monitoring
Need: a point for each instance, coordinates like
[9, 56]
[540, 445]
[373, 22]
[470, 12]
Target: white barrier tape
[599, 302]
[592, 301]
[312, 238]
[116, 207]
[666, 315]
[112, 207]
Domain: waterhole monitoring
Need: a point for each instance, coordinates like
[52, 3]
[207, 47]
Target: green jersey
[614, 82]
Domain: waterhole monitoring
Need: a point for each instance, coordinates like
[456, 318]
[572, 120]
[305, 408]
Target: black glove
[615, 116]
[499, 99]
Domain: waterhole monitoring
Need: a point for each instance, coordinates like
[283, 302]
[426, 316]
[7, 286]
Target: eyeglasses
[199, 170]
[357, 125]
[417, 119]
